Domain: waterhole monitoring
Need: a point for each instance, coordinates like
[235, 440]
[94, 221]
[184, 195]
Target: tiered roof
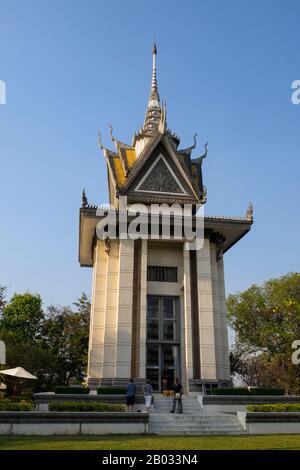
[125, 160]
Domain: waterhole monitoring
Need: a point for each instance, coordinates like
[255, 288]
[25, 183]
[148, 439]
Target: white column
[96, 337]
[223, 311]
[218, 317]
[206, 313]
[143, 310]
[124, 310]
[111, 299]
[187, 314]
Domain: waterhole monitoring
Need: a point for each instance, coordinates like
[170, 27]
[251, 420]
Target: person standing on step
[164, 379]
[177, 400]
[130, 394]
[148, 395]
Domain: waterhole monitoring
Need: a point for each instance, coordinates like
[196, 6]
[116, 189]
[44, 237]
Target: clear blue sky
[71, 67]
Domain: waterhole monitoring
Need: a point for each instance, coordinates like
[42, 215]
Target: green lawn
[140, 442]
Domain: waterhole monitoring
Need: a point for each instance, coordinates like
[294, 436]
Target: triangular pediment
[158, 175]
[160, 178]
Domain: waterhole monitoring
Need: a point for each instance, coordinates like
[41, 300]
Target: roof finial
[249, 212]
[154, 96]
[100, 140]
[163, 119]
[205, 153]
[153, 114]
[195, 140]
[111, 129]
[84, 199]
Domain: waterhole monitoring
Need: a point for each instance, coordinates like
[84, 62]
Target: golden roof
[121, 163]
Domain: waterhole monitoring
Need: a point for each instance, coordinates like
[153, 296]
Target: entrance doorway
[163, 341]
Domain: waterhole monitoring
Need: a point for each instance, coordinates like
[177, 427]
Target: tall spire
[154, 96]
[153, 114]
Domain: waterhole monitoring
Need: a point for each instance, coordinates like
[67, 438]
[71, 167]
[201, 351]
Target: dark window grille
[162, 274]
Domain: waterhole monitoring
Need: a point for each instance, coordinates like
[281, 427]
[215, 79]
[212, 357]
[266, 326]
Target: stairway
[162, 404]
[192, 422]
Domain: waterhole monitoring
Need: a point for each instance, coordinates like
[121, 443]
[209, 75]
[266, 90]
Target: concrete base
[71, 429]
[234, 403]
[269, 423]
[65, 423]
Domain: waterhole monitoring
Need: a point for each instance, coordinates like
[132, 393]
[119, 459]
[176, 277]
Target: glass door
[163, 361]
[169, 365]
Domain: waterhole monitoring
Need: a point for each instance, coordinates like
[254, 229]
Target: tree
[65, 333]
[2, 298]
[83, 307]
[267, 371]
[266, 320]
[23, 317]
[53, 346]
[33, 357]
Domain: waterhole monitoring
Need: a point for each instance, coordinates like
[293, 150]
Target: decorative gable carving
[160, 178]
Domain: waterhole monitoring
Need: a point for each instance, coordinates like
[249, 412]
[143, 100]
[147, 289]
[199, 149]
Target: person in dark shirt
[177, 400]
[130, 394]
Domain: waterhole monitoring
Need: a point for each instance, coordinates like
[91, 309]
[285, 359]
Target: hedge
[62, 390]
[84, 406]
[111, 391]
[266, 391]
[229, 391]
[18, 398]
[278, 408]
[246, 391]
[7, 405]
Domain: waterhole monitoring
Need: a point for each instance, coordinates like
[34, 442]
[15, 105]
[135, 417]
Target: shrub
[246, 391]
[229, 391]
[71, 390]
[7, 405]
[277, 408]
[111, 391]
[266, 391]
[18, 398]
[84, 406]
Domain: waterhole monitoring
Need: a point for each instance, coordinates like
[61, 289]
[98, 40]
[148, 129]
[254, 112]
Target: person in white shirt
[148, 395]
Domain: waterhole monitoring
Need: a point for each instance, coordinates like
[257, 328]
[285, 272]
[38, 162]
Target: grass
[140, 442]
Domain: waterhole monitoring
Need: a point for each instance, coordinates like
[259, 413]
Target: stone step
[194, 424]
[196, 428]
[167, 403]
[193, 420]
[190, 419]
[189, 426]
[198, 433]
[184, 411]
[186, 406]
[169, 406]
[186, 417]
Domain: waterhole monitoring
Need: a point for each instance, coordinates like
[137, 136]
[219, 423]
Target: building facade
[158, 306]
